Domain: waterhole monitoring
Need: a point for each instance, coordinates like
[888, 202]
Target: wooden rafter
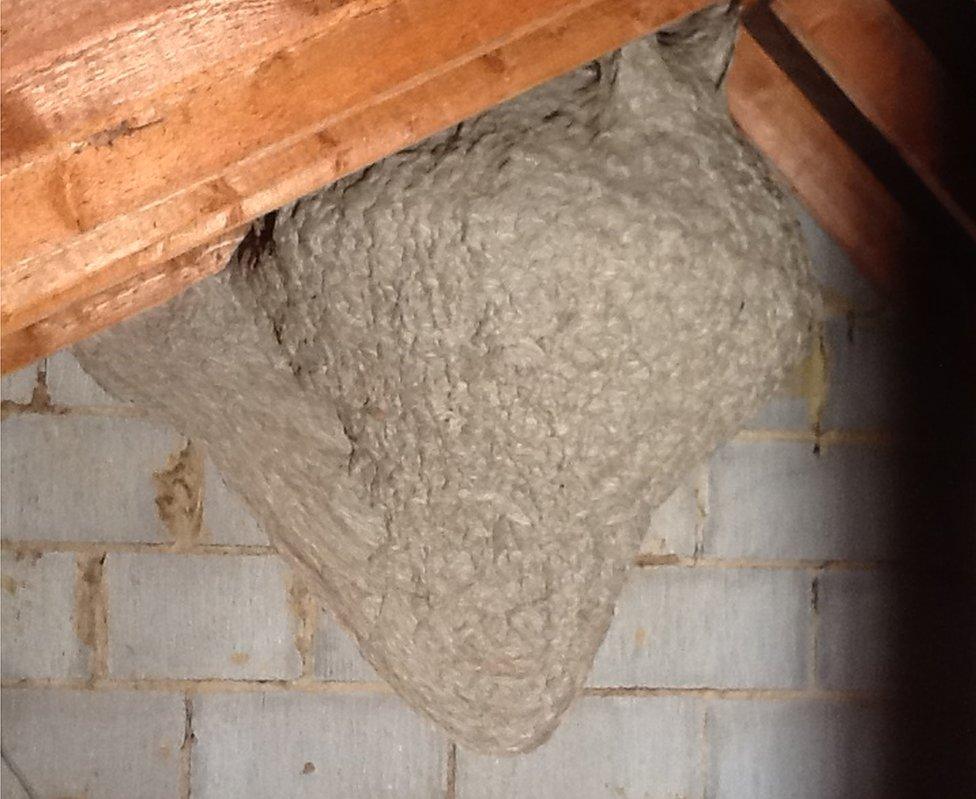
[139, 136]
[135, 132]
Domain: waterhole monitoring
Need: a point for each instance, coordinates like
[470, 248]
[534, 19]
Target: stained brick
[781, 500]
[109, 744]
[711, 628]
[38, 610]
[200, 616]
[81, 478]
[605, 747]
[312, 745]
[800, 749]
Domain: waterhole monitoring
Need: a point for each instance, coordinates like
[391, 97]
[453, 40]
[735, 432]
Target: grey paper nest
[453, 386]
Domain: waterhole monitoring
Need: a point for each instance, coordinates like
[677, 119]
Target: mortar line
[704, 751]
[100, 655]
[32, 546]
[90, 611]
[204, 686]
[817, 387]
[186, 748]
[450, 789]
[650, 560]
[196, 686]
[304, 612]
[761, 694]
[216, 685]
[40, 396]
[40, 400]
[12, 408]
[311, 622]
[825, 438]
[702, 508]
[814, 628]
[646, 560]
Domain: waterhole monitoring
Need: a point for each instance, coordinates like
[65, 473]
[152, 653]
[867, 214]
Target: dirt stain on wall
[179, 496]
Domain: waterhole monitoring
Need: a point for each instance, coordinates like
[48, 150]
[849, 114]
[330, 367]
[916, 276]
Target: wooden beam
[91, 314]
[139, 131]
[873, 55]
[841, 193]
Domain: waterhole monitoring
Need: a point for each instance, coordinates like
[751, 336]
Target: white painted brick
[225, 515]
[337, 658]
[833, 269]
[858, 625]
[781, 500]
[110, 745]
[69, 384]
[200, 616]
[270, 745]
[39, 638]
[19, 386]
[713, 628]
[799, 749]
[673, 528]
[605, 747]
[10, 786]
[81, 477]
[865, 388]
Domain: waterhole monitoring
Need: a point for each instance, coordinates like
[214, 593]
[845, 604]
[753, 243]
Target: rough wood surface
[896, 82]
[825, 174]
[135, 132]
[152, 287]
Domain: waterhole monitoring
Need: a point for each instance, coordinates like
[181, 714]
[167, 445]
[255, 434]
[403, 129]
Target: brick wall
[154, 646]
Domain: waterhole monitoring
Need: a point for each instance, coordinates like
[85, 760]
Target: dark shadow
[931, 718]
[934, 719]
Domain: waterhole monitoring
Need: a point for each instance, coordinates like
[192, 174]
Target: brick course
[748, 657]
[275, 744]
[116, 745]
[200, 617]
[680, 627]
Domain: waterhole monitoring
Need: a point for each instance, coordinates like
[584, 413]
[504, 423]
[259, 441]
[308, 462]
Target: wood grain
[896, 82]
[98, 192]
[96, 75]
[146, 290]
[840, 192]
